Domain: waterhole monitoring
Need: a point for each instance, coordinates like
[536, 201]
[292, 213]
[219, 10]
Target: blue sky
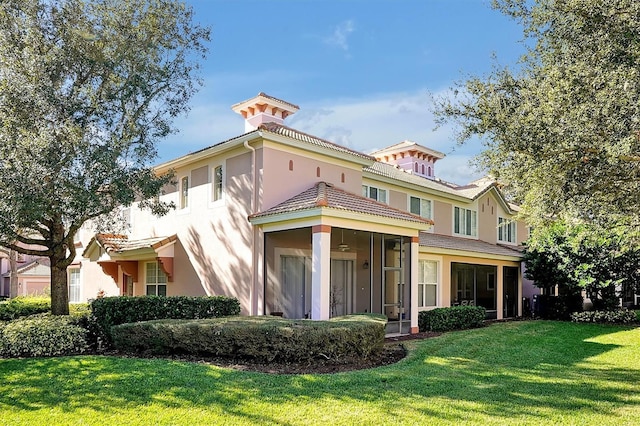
[360, 70]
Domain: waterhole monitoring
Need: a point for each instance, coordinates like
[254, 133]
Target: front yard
[531, 372]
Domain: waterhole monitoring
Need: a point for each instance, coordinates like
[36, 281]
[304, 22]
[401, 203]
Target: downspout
[254, 230]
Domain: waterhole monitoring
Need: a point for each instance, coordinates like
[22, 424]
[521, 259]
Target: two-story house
[298, 226]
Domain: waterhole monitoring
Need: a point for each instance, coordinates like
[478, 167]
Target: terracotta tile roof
[471, 191]
[121, 243]
[326, 195]
[305, 137]
[467, 244]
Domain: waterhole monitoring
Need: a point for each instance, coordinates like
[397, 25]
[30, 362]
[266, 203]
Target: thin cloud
[341, 34]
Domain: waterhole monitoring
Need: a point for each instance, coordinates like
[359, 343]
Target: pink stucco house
[298, 226]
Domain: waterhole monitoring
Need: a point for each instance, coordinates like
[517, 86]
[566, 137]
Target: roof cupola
[411, 157]
[263, 109]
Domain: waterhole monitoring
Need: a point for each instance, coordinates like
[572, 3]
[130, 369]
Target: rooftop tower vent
[411, 157]
[263, 109]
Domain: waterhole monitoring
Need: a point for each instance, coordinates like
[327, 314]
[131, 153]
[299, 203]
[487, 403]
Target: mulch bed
[393, 351]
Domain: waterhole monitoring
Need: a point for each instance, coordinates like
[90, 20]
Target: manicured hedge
[619, 316]
[453, 318]
[23, 307]
[260, 338]
[109, 311]
[42, 335]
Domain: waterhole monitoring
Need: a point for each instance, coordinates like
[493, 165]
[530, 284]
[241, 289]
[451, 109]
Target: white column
[500, 292]
[320, 276]
[414, 284]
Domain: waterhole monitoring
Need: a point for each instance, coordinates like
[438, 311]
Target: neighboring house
[32, 272]
[297, 226]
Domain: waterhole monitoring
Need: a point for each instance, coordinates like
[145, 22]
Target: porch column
[320, 276]
[500, 292]
[414, 284]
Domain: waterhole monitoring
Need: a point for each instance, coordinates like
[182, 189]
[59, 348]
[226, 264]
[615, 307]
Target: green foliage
[561, 128]
[578, 256]
[23, 307]
[261, 338]
[95, 86]
[453, 318]
[109, 311]
[618, 316]
[44, 335]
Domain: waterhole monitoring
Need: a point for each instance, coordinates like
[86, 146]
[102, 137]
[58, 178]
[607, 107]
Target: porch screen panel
[294, 298]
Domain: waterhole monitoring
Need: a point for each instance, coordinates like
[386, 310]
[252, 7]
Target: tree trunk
[13, 274]
[59, 288]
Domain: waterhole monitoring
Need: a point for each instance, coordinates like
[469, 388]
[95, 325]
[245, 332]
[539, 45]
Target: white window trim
[421, 199]
[212, 178]
[453, 222]
[184, 210]
[156, 284]
[386, 191]
[80, 293]
[439, 286]
[507, 222]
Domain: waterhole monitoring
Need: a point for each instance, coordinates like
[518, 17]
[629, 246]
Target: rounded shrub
[618, 316]
[260, 338]
[23, 307]
[42, 335]
[453, 318]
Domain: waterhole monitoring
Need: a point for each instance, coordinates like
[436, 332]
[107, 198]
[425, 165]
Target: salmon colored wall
[280, 183]
[487, 208]
[398, 200]
[443, 218]
[214, 252]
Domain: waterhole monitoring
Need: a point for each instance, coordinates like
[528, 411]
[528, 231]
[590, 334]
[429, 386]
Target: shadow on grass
[534, 369]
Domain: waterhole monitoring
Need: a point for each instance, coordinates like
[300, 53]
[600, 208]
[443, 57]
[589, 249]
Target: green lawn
[533, 372]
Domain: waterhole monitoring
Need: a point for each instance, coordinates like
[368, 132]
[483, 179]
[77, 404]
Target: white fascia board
[324, 212]
[465, 253]
[207, 152]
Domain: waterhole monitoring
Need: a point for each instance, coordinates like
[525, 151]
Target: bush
[42, 335]
[23, 307]
[453, 318]
[109, 311]
[259, 338]
[618, 316]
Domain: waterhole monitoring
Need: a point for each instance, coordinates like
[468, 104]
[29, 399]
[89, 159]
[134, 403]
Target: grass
[533, 372]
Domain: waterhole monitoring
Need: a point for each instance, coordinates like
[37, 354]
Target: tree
[562, 131]
[581, 256]
[87, 88]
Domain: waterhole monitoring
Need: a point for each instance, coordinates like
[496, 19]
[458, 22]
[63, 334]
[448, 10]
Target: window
[156, 280]
[217, 183]
[465, 222]
[184, 192]
[74, 285]
[506, 230]
[374, 193]
[427, 283]
[420, 207]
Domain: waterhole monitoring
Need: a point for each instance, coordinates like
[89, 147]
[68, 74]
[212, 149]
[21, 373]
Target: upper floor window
[184, 192]
[506, 230]
[465, 222]
[427, 283]
[420, 207]
[155, 280]
[375, 193]
[217, 183]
